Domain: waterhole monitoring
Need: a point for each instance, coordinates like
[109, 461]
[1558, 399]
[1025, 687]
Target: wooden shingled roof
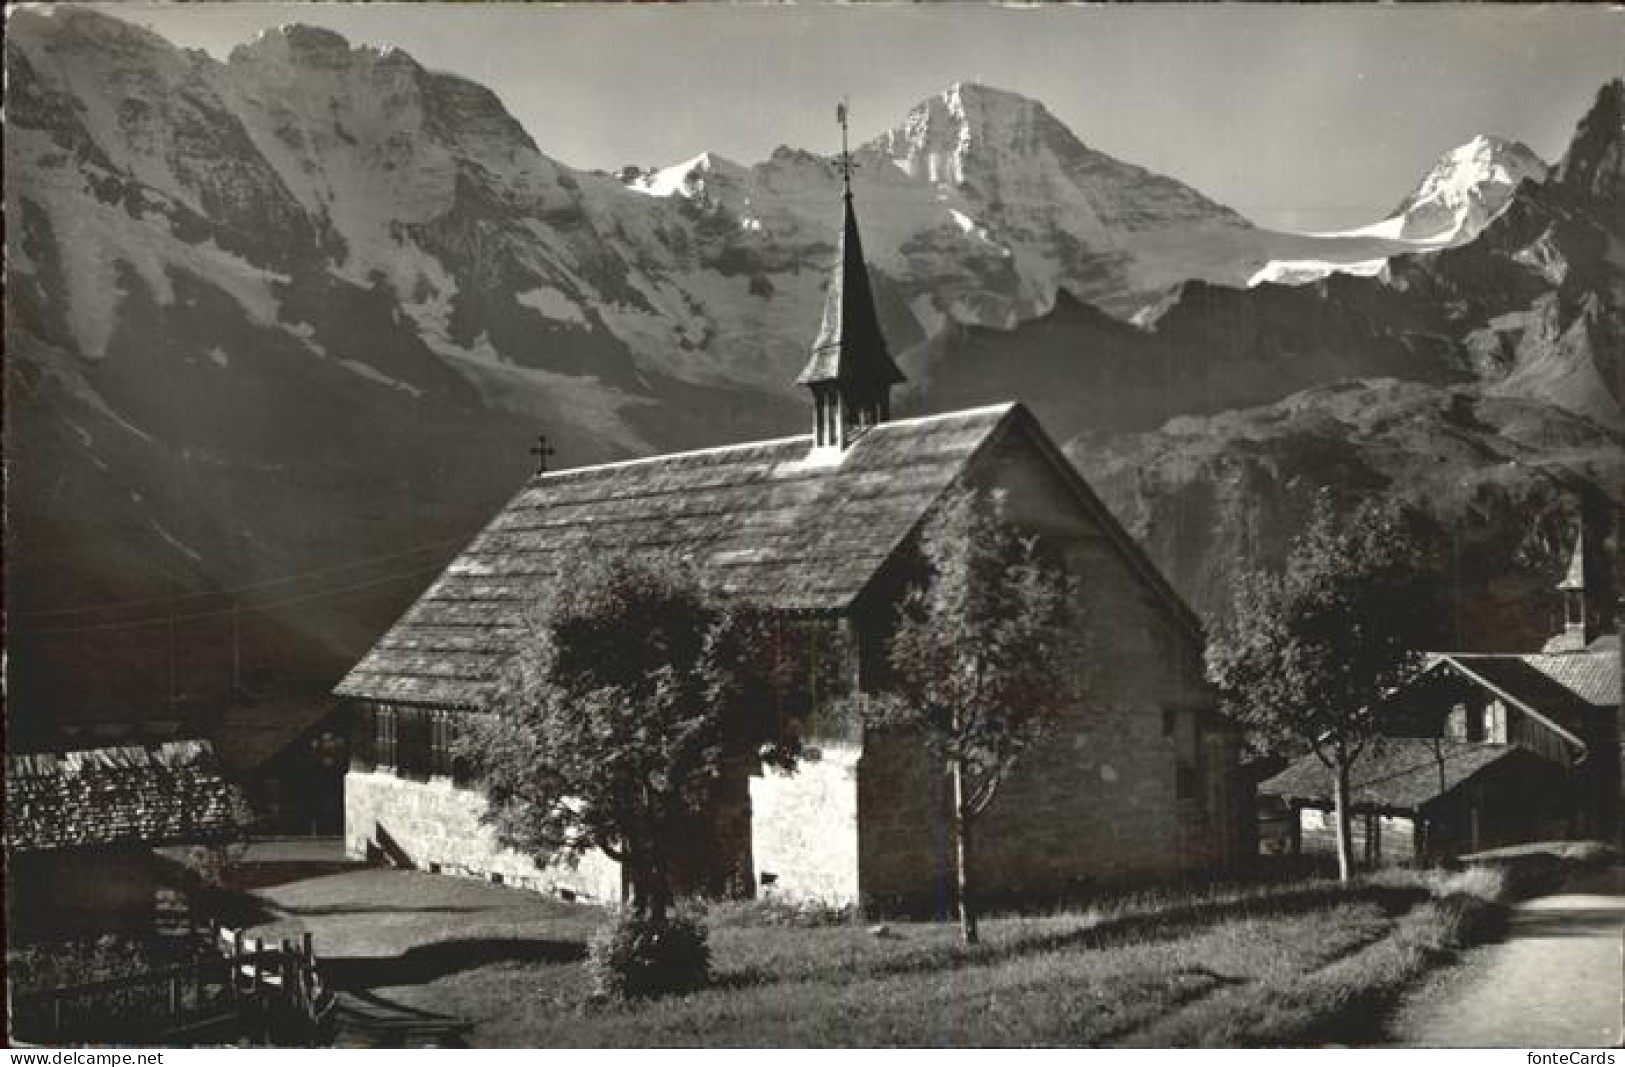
[149, 795]
[1400, 774]
[766, 522]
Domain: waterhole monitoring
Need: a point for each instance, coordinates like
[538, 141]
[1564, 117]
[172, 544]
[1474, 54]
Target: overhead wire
[164, 620]
[209, 594]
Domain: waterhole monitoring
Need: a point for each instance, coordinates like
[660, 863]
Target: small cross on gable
[542, 451]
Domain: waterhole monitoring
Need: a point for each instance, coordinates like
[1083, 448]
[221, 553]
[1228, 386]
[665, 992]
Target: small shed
[1423, 798]
[81, 827]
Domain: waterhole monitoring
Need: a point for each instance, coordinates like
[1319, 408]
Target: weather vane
[847, 166]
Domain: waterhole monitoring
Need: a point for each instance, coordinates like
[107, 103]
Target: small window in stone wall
[1213, 758]
[384, 750]
[414, 743]
[1184, 735]
[440, 744]
[1185, 781]
[812, 671]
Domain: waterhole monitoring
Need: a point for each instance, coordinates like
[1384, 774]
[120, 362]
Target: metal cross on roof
[846, 164]
[542, 451]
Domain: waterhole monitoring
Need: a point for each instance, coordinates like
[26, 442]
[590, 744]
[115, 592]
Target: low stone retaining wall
[435, 826]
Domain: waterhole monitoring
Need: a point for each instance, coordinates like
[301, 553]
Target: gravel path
[1556, 980]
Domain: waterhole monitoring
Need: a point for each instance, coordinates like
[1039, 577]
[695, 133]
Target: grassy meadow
[1296, 963]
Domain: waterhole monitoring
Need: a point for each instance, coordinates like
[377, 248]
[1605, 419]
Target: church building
[1140, 781]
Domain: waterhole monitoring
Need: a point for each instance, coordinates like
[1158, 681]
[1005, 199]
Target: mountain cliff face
[281, 328]
[1507, 431]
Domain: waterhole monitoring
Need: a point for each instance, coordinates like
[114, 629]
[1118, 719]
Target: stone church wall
[1140, 781]
[435, 826]
[804, 828]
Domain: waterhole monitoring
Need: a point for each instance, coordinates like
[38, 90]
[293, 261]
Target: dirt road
[1556, 980]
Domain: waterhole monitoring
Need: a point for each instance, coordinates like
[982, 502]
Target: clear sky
[1299, 116]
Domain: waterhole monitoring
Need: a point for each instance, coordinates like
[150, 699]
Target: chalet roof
[850, 346]
[1562, 689]
[767, 523]
[248, 736]
[1394, 774]
[159, 795]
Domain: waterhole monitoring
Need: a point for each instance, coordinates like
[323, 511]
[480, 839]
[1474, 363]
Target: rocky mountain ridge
[1513, 438]
[281, 328]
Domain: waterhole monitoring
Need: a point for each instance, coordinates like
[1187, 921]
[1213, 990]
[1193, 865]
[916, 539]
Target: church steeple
[1579, 627]
[850, 373]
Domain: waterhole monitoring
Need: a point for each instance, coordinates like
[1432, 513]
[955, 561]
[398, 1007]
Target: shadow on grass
[426, 963]
[263, 874]
[1159, 924]
[317, 910]
[366, 1020]
[1189, 985]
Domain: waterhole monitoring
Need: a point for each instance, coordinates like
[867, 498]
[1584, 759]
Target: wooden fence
[240, 987]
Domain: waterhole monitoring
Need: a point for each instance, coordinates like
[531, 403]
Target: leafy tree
[1306, 654]
[633, 695]
[986, 656]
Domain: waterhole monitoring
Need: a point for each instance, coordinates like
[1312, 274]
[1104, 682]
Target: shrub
[635, 957]
[1466, 919]
[90, 958]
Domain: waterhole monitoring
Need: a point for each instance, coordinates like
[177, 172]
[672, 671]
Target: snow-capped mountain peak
[691, 178]
[940, 133]
[1466, 188]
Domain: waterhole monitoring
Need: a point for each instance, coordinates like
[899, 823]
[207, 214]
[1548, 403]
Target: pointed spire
[1575, 579]
[850, 346]
[850, 372]
[1581, 620]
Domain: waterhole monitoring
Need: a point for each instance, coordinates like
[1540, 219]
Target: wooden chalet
[81, 828]
[1485, 750]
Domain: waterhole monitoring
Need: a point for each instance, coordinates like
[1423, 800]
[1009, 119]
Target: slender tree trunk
[962, 846]
[659, 892]
[651, 891]
[1345, 824]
